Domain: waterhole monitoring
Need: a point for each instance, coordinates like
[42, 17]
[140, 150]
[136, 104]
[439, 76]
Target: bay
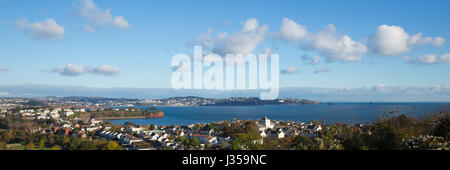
[338, 112]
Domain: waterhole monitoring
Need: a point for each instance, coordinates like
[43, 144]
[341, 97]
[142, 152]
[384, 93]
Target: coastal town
[67, 122]
[96, 102]
[39, 123]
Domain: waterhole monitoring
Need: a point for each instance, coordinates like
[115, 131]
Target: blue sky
[137, 53]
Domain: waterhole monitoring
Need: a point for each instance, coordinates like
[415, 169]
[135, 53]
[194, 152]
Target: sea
[330, 113]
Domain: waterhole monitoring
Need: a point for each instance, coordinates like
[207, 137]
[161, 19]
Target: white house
[280, 134]
[317, 128]
[263, 134]
[68, 113]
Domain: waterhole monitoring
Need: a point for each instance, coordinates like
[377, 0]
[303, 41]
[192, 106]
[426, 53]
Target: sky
[343, 45]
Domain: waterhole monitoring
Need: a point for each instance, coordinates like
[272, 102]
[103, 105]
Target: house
[317, 128]
[263, 134]
[134, 129]
[280, 134]
[94, 122]
[277, 134]
[68, 113]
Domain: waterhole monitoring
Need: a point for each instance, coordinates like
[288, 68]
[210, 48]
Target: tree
[250, 128]
[3, 146]
[41, 144]
[303, 143]
[29, 146]
[111, 145]
[194, 142]
[87, 145]
[180, 139]
[152, 127]
[7, 136]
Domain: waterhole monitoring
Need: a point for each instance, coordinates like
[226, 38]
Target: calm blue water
[339, 112]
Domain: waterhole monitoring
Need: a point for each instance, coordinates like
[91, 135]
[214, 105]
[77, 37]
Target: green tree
[87, 145]
[152, 127]
[41, 144]
[194, 142]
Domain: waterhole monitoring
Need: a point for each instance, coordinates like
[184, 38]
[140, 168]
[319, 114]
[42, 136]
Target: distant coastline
[120, 118]
[123, 113]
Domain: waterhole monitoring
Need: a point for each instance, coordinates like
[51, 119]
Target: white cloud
[334, 47]
[292, 31]
[3, 69]
[428, 59]
[105, 70]
[434, 59]
[393, 40]
[290, 70]
[77, 70]
[243, 42]
[438, 41]
[98, 17]
[120, 22]
[321, 70]
[45, 30]
[331, 45]
[71, 70]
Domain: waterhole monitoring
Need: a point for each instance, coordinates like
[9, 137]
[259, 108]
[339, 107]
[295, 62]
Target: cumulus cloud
[292, 31]
[98, 17]
[393, 40]
[243, 42]
[71, 70]
[105, 70]
[3, 69]
[77, 70]
[435, 59]
[321, 70]
[428, 59]
[327, 42]
[438, 41]
[335, 47]
[290, 70]
[44, 30]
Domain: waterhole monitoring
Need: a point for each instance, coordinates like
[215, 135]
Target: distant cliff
[254, 101]
[156, 114]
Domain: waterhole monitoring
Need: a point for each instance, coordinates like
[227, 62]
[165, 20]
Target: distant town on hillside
[95, 102]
